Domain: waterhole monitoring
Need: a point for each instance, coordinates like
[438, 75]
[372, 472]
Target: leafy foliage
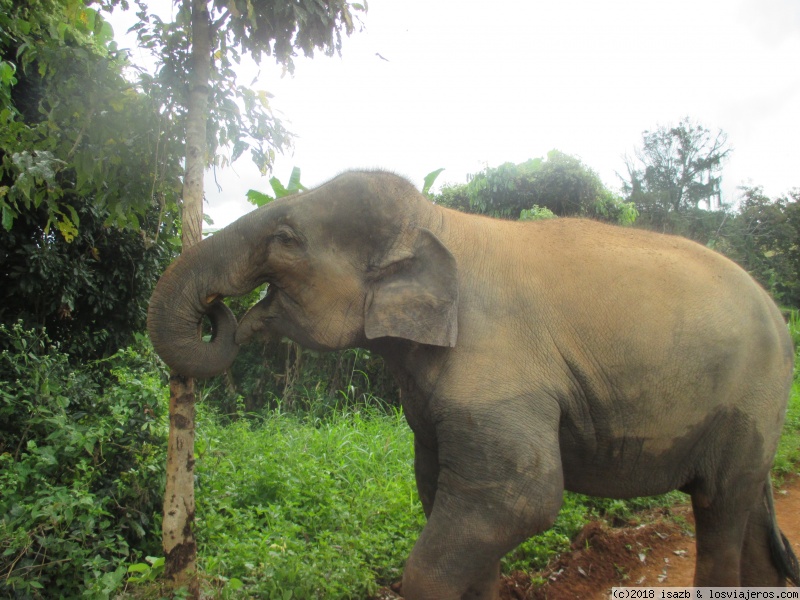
[61, 132]
[85, 194]
[90, 294]
[562, 184]
[536, 213]
[787, 457]
[240, 118]
[676, 169]
[80, 466]
[536, 552]
[279, 29]
[429, 180]
[762, 236]
[292, 187]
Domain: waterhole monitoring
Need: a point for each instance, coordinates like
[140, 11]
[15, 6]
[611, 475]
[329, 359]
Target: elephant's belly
[625, 468]
[651, 457]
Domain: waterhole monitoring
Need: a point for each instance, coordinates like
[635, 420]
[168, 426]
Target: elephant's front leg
[426, 472]
[499, 482]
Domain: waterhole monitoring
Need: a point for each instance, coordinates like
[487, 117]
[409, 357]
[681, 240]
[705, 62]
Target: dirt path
[659, 553]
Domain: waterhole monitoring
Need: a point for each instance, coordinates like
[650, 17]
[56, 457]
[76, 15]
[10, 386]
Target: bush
[81, 472]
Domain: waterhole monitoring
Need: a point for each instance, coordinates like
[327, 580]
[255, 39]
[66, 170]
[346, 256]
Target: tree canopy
[763, 236]
[676, 169]
[61, 134]
[239, 117]
[88, 181]
[559, 183]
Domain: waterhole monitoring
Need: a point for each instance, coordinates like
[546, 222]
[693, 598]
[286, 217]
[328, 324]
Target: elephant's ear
[415, 296]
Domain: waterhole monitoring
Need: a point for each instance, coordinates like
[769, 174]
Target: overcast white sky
[468, 84]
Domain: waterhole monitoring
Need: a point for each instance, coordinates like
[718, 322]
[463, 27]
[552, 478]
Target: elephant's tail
[780, 548]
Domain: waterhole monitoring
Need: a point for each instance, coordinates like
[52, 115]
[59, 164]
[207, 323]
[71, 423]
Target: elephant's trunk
[187, 292]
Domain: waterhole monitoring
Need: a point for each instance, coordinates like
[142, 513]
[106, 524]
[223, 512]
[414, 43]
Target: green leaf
[235, 584]
[88, 17]
[278, 188]
[294, 182]
[139, 568]
[67, 229]
[8, 218]
[7, 71]
[429, 179]
[258, 198]
[105, 33]
[73, 214]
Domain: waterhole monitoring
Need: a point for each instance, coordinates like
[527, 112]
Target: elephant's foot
[487, 588]
[426, 586]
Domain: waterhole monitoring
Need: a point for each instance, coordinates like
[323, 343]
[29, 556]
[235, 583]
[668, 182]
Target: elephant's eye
[285, 237]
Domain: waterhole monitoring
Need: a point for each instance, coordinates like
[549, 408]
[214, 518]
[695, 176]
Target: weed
[324, 507]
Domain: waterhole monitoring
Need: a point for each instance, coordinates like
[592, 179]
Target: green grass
[787, 458]
[294, 508]
[325, 508]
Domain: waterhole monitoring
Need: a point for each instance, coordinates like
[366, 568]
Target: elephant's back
[657, 314]
[635, 267]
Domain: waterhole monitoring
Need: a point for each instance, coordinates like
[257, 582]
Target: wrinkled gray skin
[532, 358]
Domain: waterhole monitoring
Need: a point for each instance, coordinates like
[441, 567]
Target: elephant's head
[352, 260]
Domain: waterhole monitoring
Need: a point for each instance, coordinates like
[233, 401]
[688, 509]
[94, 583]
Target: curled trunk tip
[176, 333]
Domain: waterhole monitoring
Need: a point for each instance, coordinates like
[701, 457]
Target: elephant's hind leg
[728, 494]
[720, 530]
[723, 523]
[767, 559]
[757, 566]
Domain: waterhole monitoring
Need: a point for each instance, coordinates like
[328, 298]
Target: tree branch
[218, 24]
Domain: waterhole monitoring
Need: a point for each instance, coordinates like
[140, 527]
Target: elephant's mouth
[255, 321]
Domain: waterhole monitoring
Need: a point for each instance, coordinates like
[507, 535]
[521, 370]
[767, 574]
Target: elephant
[532, 358]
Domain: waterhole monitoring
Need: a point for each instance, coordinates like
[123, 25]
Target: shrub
[81, 471]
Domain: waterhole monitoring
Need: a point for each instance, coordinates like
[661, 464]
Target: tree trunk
[180, 547]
